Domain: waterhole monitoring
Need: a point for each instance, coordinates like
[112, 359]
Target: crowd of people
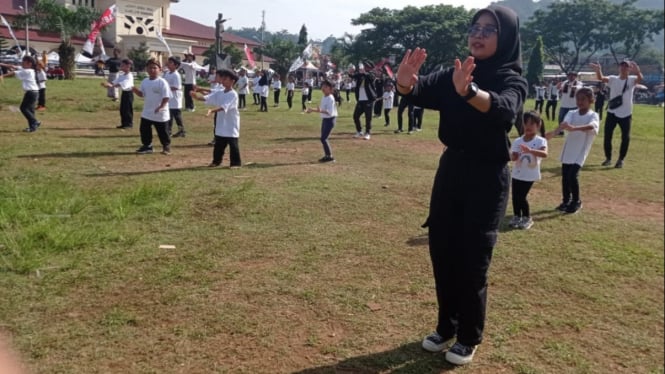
[478, 100]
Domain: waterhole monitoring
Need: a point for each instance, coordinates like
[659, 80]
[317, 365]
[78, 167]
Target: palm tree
[50, 16]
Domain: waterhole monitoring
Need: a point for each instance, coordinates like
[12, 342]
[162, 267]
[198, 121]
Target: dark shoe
[460, 354]
[398, 131]
[607, 162]
[213, 165]
[30, 129]
[563, 206]
[144, 149]
[179, 134]
[124, 127]
[574, 207]
[619, 164]
[166, 151]
[436, 343]
[327, 159]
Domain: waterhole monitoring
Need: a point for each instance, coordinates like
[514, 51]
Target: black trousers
[127, 108]
[465, 211]
[176, 114]
[598, 108]
[41, 101]
[418, 117]
[257, 98]
[277, 92]
[220, 146]
[304, 102]
[570, 184]
[551, 105]
[363, 107]
[520, 189]
[242, 101]
[28, 107]
[403, 104]
[289, 98]
[146, 132]
[264, 104]
[539, 106]
[378, 105]
[611, 122]
[189, 101]
[386, 115]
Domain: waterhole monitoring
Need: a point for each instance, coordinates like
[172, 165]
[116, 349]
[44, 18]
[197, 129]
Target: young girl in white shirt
[328, 110]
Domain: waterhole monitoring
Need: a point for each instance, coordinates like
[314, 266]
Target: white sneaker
[358, 135]
[435, 342]
[526, 223]
[515, 222]
[367, 136]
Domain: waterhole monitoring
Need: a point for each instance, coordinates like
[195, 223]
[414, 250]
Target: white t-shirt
[540, 92]
[553, 92]
[28, 79]
[276, 84]
[190, 69]
[154, 90]
[527, 166]
[228, 120]
[265, 91]
[175, 84]
[616, 87]
[41, 79]
[388, 97]
[305, 91]
[255, 85]
[328, 104]
[125, 81]
[578, 143]
[290, 86]
[566, 100]
[242, 85]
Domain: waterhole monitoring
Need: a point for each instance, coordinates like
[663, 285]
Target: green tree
[302, 37]
[441, 29]
[50, 16]
[283, 51]
[534, 70]
[139, 55]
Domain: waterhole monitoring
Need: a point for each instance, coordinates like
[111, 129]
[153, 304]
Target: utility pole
[263, 29]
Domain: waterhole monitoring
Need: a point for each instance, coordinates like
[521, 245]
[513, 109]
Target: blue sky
[322, 18]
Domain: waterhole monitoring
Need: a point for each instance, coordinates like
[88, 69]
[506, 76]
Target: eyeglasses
[477, 31]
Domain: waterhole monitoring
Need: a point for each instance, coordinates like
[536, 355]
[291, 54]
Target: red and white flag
[107, 17]
[389, 71]
[250, 57]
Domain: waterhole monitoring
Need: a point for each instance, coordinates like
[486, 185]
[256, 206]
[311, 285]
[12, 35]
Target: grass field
[291, 266]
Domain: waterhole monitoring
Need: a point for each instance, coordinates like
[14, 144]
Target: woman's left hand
[462, 75]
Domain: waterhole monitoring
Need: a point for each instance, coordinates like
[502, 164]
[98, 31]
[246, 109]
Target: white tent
[80, 59]
[53, 58]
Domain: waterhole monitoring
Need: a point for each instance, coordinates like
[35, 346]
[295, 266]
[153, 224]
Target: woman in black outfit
[478, 100]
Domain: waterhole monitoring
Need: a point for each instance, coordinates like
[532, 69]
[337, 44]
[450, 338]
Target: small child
[174, 80]
[328, 111]
[26, 73]
[41, 82]
[527, 152]
[125, 82]
[156, 94]
[582, 126]
[305, 95]
[277, 87]
[388, 98]
[227, 118]
[290, 89]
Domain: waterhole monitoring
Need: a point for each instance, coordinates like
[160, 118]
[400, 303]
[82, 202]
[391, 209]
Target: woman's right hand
[407, 73]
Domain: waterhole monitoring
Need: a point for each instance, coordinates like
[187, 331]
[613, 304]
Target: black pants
[465, 212]
[386, 115]
[127, 108]
[189, 101]
[257, 98]
[363, 107]
[418, 117]
[277, 92]
[348, 92]
[611, 121]
[570, 184]
[41, 101]
[146, 132]
[520, 190]
[264, 104]
[289, 98]
[403, 104]
[539, 106]
[598, 108]
[551, 105]
[242, 101]
[177, 115]
[28, 107]
[304, 102]
[220, 146]
[378, 105]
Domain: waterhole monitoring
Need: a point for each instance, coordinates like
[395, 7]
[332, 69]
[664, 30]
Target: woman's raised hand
[407, 73]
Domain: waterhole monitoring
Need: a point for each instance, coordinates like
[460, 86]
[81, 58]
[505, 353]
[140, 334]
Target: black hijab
[508, 57]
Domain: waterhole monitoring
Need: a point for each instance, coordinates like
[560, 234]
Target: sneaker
[386, 124]
[123, 127]
[213, 165]
[419, 129]
[435, 342]
[235, 167]
[358, 135]
[574, 207]
[367, 136]
[166, 150]
[398, 131]
[619, 164]
[607, 162]
[460, 354]
[515, 221]
[526, 223]
[179, 134]
[327, 159]
[30, 129]
[145, 149]
[410, 132]
[37, 124]
[563, 206]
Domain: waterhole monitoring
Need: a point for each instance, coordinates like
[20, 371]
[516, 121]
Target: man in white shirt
[621, 112]
[568, 89]
[190, 67]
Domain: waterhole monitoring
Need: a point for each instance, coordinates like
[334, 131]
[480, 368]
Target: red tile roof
[183, 27]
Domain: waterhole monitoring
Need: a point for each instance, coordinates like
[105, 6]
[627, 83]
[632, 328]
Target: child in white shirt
[26, 73]
[388, 98]
[328, 110]
[156, 94]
